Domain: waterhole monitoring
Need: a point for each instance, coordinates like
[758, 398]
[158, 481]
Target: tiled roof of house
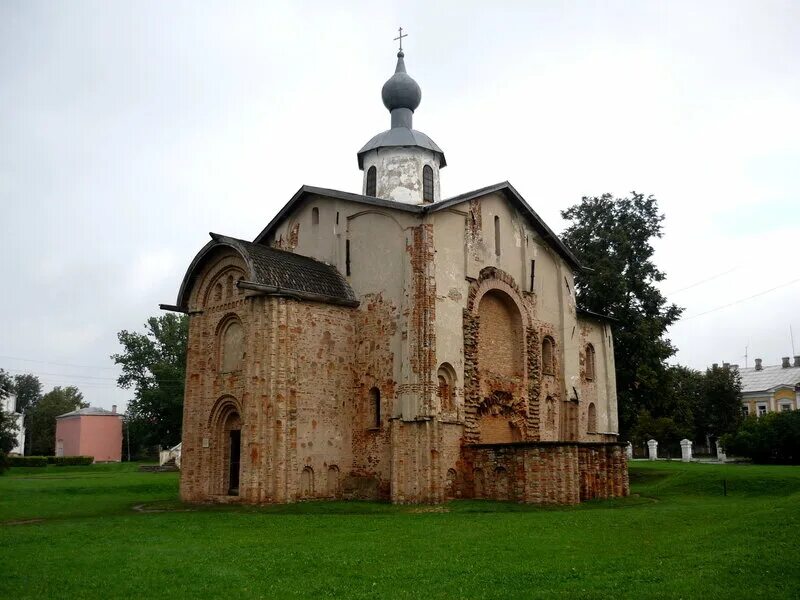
[768, 378]
[278, 271]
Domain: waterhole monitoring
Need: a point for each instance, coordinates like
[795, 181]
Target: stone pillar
[720, 453]
[629, 451]
[652, 449]
[686, 451]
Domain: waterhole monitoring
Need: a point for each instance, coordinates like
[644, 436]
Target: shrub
[72, 461]
[773, 438]
[27, 461]
[3, 462]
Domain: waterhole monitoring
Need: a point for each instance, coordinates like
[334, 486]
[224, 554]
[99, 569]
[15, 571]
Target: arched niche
[230, 345]
[501, 350]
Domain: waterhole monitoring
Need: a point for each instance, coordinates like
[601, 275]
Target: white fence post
[629, 451]
[686, 450]
[720, 453]
[652, 449]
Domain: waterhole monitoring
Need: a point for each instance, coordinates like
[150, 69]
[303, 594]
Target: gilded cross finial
[400, 38]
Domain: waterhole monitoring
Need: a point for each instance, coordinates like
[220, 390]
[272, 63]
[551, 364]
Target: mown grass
[678, 537]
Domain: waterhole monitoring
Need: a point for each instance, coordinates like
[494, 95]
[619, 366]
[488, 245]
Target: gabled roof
[273, 271]
[519, 202]
[769, 378]
[92, 411]
[504, 187]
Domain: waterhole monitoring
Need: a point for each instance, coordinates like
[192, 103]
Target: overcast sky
[128, 130]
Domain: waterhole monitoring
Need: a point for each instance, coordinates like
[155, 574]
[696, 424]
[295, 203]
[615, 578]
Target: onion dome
[401, 91]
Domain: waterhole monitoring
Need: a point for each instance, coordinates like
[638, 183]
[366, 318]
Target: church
[396, 345]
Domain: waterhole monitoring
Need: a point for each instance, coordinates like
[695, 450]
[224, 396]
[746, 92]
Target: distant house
[771, 388]
[90, 431]
[9, 407]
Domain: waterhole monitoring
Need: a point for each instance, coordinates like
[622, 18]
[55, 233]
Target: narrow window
[337, 217]
[589, 362]
[427, 184]
[315, 216]
[533, 273]
[445, 391]
[372, 176]
[547, 356]
[375, 407]
[347, 257]
[497, 235]
[591, 420]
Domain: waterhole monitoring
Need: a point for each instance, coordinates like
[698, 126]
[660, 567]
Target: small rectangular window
[337, 217]
[762, 410]
[347, 257]
[533, 273]
[497, 236]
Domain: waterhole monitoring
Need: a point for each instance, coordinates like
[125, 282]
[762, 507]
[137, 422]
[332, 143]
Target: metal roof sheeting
[769, 378]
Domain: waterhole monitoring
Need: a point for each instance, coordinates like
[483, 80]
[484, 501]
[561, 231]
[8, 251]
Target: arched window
[591, 420]
[315, 216]
[589, 362]
[446, 391]
[547, 356]
[229, 287]
[307, 482]
[427, 184]
[333, 481]
[231, 346]
[372, 178]
[550, 404]
[497, 235]
[375, 407]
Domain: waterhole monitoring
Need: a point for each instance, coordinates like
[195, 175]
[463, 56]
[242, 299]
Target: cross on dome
[400, 38]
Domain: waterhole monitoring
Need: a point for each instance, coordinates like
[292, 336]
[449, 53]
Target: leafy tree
[42, 417]
[772, 438]
[613, 237]
[8, 426]
[722, 399]
[154, 366]
[29, 391]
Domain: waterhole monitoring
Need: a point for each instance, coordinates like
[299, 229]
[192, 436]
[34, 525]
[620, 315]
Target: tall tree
[8, 426]
[722, 401]
[29, 391]
[613, 237]
[42, 417]
[154, 366]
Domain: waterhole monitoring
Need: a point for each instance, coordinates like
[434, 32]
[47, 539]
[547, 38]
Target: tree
[722, 401]
[29, 391]
[42, 417]
[8, 425]
[772, 438]
[154, 366]
[613, 238]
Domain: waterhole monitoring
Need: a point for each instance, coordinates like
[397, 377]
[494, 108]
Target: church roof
[274, 271]
[398, 137]
[504, 187]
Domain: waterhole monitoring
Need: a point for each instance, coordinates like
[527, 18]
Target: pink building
[90, 432]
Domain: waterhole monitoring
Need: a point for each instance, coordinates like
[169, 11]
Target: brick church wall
[545, 472]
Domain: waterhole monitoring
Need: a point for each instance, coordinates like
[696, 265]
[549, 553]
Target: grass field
[73, 532]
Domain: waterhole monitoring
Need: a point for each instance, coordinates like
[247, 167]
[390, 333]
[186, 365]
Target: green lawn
[677, 537]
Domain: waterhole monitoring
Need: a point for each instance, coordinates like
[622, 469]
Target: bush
[27, 461]
[773, 438]
[72, 461]
[3, 462]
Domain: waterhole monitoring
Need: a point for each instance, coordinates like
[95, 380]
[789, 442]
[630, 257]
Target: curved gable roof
[273, 271]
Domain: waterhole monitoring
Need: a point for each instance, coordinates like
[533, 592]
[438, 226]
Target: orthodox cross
[400, 38]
